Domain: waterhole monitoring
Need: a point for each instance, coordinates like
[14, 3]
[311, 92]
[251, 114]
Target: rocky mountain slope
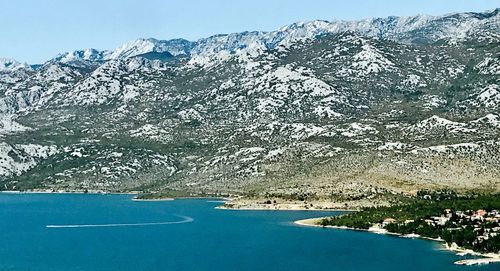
[342, 110]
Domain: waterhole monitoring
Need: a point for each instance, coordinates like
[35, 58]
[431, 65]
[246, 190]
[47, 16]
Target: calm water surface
[202, 238]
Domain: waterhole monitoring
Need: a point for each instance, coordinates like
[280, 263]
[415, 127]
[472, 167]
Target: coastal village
[467, 224]
[473, 230]
[485, 224]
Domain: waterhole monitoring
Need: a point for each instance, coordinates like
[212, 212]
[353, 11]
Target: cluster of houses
[486, 224]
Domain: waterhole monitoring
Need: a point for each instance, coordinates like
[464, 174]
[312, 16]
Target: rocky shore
[282, 204]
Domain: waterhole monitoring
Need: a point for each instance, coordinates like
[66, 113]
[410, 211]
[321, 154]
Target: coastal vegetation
[468, 221]
[163, 195]
[170, 194]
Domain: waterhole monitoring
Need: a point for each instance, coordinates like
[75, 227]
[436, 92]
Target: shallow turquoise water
[213, 240]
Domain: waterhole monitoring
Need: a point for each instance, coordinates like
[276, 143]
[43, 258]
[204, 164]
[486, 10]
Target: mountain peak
[151, 45]
[89, 54]
[9, 64]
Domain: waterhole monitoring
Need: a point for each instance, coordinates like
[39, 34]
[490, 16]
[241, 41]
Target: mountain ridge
[297, 113]
[181, 46]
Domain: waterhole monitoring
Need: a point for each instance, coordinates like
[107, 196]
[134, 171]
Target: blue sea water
[202, 238]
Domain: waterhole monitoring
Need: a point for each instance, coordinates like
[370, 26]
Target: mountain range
[338, 110]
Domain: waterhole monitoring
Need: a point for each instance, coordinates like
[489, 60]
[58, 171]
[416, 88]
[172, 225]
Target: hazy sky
[34, 31]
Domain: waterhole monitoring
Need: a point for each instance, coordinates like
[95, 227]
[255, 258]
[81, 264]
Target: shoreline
[160, 199]
[250, 206]
[100, 192]
[278, 204]
[228, 203]
[96, 192]
[486, 258]
[282, 208]
[90, 192]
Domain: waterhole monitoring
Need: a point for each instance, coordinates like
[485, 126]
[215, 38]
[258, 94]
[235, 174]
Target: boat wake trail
[185, 219]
